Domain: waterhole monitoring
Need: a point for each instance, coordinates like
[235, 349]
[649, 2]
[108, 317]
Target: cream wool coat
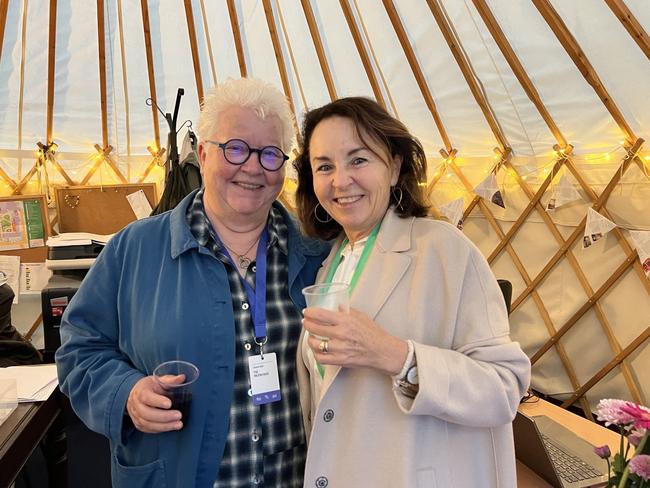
[424, 281]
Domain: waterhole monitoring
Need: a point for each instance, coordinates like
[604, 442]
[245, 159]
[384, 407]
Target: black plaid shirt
[266, 444]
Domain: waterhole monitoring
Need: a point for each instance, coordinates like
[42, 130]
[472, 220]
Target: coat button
[328, 415]
[321, 482]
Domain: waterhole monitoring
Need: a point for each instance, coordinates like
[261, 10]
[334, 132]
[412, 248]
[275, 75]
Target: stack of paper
[35, 383]
[77, 239]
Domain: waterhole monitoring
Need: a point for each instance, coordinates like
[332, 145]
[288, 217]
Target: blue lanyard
[257, 297]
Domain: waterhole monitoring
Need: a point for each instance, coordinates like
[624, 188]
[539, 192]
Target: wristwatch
[409, 384]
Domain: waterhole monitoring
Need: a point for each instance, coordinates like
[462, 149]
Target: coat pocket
[146, 475]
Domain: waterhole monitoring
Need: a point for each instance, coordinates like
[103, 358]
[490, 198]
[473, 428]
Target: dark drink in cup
[177, 379]
[181, 401]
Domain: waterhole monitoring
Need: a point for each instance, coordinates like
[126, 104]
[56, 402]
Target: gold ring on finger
[324, 346]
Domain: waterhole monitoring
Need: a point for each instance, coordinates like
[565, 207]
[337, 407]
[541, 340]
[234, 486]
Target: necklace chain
[244, 261]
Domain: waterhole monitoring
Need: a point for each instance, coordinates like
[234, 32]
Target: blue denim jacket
[154, 295]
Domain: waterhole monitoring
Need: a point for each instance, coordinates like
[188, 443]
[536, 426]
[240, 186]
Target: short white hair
[261, 97]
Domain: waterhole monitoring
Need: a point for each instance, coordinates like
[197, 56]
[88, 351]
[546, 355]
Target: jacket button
[328, 415]
[321, 482]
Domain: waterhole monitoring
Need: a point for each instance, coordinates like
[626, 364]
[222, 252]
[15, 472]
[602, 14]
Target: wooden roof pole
[101, 42]
[318, 45]
[517, 68]
[152, 80]
[466, 69]
[571, 46]
[234, 24]
[279, 57]
[277, 48]
[633, 27]
[417, 71]
[4, 9]
[196, 62]
[51, 58]
[365, 59]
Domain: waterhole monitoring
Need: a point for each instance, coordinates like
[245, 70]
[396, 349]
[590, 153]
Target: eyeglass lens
[237, 151]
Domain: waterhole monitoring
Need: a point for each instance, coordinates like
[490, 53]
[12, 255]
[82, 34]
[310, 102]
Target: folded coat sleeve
[93, 372]
[481, 379]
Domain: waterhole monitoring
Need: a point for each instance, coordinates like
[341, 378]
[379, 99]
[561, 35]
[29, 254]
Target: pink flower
[640, 465]
[603, 451]
[635, 437]
[640, 414]
[612, 412]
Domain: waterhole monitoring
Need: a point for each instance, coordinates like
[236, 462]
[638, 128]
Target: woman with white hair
[217, 282]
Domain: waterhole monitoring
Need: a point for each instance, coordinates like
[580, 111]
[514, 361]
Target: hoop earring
[393, 191]
[322, 221]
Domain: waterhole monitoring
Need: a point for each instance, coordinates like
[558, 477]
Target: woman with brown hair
[420, 379]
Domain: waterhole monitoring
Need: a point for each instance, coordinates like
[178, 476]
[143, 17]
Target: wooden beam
[191, 30]
[526, 212]
[633, 27]
[624, 266]
[517, 68]
[4, 9]
[234, 23]
[363, 54]
[208, 41]
[578, 232]
[571, 46]
[466, 69]
[417, 71]
[101, 38]
[152, 81]
[318, 45]
[277, 49]
[51, 59]
[633, 346]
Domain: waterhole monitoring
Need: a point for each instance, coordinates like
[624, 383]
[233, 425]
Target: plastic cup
[179, 393]
[331, 296]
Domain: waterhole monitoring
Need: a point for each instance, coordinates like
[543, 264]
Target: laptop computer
[556, 454]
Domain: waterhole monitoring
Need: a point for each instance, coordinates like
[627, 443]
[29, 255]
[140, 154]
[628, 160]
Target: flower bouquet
[633, 422]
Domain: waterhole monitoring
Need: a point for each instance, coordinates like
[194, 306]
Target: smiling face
[352, 179]
[240, 194]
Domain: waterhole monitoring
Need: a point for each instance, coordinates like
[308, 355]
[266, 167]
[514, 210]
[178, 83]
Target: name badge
[265, 383]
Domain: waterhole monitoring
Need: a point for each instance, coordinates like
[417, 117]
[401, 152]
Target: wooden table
[589, 431]
[22, 431]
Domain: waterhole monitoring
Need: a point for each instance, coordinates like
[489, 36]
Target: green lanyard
[367, 248]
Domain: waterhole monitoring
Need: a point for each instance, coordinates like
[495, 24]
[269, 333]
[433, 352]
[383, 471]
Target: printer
[69, 260]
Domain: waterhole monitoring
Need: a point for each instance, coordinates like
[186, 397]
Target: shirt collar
[206, 236]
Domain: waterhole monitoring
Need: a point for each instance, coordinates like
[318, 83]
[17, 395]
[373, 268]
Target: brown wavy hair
[371, 120]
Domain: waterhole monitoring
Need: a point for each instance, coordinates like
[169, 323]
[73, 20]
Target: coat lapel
[383, 272]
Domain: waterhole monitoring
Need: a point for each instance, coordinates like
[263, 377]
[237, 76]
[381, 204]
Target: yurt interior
[533, 116]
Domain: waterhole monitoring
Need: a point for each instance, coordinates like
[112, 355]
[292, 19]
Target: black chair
[506, 289]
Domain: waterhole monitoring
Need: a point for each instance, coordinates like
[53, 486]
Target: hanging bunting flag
[489, 190]
[563, 192]
[454, 212]
[641, 241]
[595, 228]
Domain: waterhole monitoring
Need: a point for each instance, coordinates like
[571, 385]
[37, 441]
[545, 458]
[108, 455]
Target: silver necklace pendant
[244, 262]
